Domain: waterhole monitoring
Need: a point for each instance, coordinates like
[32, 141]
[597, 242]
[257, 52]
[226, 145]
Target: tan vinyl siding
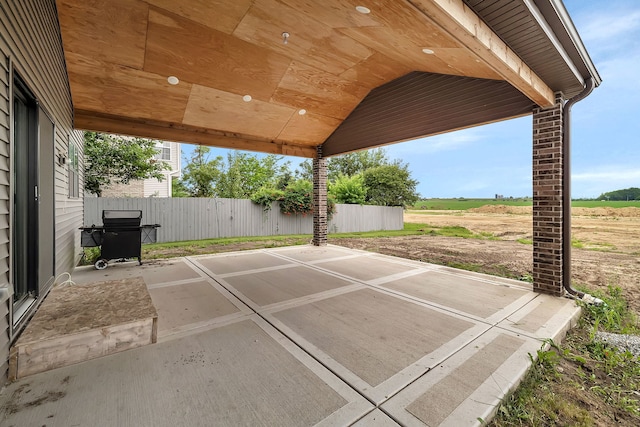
[155, 188]
[4, 169]
[5, 301]
[30, 28]
[30, 46]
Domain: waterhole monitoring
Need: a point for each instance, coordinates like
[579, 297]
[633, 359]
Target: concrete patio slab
[314, 253]
[479, 299]
[189, 303]
[466, 389]
[544, 317]
[239, 262]
[270, 287]
[364, 267]
[376, 418]
[377, 354]
[304, 336]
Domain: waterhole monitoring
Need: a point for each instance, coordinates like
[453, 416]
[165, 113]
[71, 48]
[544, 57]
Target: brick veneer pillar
[547, 199]
[319, 199]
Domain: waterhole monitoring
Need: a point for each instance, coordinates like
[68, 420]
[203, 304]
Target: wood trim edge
[89, 120]
[458, 20]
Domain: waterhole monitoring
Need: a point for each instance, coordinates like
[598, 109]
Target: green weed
[192, 247]
[549, 395]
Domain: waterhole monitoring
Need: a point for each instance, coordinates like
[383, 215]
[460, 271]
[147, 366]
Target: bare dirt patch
[604, 229]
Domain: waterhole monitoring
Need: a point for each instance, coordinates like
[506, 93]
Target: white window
[164, 151]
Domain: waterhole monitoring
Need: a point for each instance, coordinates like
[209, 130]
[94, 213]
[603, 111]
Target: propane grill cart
[120, 237]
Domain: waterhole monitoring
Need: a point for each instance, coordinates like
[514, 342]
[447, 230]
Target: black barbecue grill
[120, 236]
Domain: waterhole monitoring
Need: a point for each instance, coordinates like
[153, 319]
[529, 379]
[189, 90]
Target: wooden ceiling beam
[89, 120]
[458, 20]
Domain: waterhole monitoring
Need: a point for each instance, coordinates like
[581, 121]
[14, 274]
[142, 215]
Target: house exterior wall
[132, 189]
[155, 188]
[150, 187]
[30, 46]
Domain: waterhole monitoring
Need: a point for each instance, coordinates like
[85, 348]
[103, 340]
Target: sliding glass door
[24, 255]
[33, 239]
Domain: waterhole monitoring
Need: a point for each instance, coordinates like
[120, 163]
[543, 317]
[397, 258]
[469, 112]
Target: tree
[200, 173]
[632, 193]
[354, 163]
[390, 185]
[305, 171]
[349, 189]
[239, 176]
[112, 159]
[178, 189]
[245, 173]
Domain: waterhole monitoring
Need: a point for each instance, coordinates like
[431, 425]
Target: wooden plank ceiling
[120, 53]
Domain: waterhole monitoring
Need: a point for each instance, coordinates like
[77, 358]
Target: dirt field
[610, 239]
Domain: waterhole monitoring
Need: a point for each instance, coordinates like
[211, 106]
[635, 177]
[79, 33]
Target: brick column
[548, 204]
[319, 199]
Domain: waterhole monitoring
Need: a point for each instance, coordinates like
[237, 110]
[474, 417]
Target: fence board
[203, 218]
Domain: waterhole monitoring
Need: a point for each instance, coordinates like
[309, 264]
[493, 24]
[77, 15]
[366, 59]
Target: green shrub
[297, 198]
[266, 196]
[349, 189]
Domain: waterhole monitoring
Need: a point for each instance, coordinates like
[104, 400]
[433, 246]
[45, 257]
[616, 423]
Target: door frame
[36, 286]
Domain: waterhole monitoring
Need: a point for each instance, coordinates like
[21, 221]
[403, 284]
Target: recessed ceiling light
[302, 112]
[428, 51]
[247, 98]
[173, 80]
[363, 9]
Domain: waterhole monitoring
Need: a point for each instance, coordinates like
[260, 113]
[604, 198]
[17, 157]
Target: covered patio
[304, 336]
[318, 79]
[295, 336]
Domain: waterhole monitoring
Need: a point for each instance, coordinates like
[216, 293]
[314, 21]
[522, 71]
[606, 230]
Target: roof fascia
[558, 18]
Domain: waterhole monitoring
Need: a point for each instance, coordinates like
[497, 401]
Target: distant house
[168, 152]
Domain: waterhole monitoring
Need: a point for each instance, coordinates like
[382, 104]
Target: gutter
[548, 31]
[570, 29]
[566, 195]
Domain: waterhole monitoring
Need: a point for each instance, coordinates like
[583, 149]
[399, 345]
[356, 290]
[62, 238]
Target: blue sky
[496, 158]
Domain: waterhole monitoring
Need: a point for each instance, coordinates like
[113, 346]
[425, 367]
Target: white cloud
[434, 144]
[621, 72]
[611, 25]
[604, 179]
[611, 174]
[474, 185]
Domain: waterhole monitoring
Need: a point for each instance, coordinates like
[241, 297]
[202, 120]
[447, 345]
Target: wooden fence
[203, 218]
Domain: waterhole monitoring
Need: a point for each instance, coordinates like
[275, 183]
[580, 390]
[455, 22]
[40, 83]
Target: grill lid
[121, 214]
[121, 218]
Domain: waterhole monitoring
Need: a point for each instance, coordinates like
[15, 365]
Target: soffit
[516, 25]
[422, 104]
[119, 54]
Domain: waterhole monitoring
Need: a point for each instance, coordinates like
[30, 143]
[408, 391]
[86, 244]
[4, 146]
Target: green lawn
[603, 204]
[464, 204]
